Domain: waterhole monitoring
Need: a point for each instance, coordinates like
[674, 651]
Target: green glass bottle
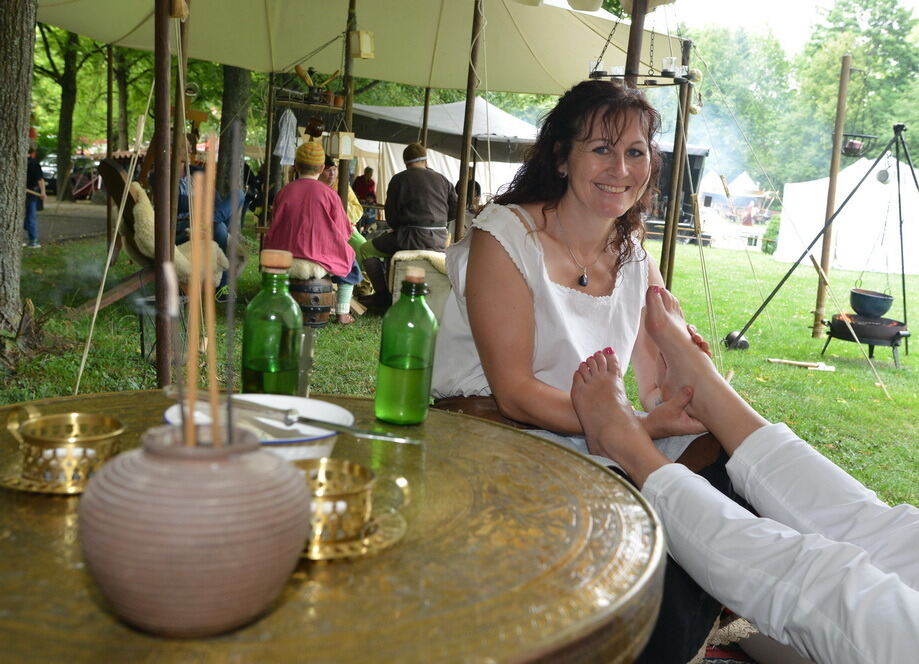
[272, 328]
[406, 355]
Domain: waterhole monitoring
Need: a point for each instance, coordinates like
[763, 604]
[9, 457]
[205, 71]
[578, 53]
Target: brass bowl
[59, 453]
[342, 516]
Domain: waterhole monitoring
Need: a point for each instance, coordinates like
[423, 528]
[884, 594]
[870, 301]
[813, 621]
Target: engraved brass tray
[516, 550]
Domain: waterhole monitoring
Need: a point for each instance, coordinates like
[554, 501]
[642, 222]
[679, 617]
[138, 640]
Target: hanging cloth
[286, 146]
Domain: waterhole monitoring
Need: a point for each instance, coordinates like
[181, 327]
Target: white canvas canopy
[866, 234]
[496, 135]
[535, 49]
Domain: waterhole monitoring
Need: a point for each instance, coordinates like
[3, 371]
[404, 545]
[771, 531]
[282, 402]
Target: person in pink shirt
[309, 221]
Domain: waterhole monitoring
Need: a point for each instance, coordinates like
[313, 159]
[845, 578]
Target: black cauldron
[870, 304]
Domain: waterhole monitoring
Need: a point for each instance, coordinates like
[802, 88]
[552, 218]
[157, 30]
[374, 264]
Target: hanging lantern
[340, 145]
[651, 5]
[585, 5]
[362, 44]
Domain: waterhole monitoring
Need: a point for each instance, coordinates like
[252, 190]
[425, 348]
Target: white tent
[535, 49]
[386, 160]
[744, 186]
[866, 234]
[497, 135]
[711, 184]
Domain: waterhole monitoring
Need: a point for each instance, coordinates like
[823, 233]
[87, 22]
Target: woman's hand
[670, 418]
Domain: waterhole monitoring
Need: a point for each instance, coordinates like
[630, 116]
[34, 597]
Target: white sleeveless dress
[570, 324]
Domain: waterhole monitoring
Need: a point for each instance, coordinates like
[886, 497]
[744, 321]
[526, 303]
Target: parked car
[49, 168]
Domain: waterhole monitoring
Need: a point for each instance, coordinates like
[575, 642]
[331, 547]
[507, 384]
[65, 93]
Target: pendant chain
[582, 280]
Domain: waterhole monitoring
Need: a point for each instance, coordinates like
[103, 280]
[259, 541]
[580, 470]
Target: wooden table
[516, 550]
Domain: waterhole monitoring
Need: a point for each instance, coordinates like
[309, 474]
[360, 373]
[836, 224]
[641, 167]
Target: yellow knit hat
[310, 154]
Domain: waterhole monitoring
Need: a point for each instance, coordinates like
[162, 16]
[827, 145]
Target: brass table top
[517, 549]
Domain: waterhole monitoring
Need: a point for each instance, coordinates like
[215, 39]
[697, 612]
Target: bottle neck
[414, 288]
[275, 282]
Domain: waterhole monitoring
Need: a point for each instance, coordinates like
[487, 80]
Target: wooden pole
[266, 166]
[109, 85]
[179, 143]
[826, 257]
[675, 200]
[677, 176]
[472, 81]
[424, 117]
[633, 54]
[163, 242]
[344, 165]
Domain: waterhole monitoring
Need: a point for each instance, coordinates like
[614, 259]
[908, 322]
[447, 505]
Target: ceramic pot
[193, 541]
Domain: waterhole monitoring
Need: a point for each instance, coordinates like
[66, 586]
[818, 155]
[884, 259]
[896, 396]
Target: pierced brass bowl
[59, 453]
[342, 516]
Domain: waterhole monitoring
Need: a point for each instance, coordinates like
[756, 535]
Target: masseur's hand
[670, 418]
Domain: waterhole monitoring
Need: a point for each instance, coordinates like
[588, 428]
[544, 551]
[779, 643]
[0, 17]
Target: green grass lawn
[844, 414]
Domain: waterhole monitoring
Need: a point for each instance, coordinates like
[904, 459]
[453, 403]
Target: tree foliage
[774, 117]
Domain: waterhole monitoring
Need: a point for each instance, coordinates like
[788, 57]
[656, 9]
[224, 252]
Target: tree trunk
[121, 84]
[17, 45]
[68, 82]
[235, 106]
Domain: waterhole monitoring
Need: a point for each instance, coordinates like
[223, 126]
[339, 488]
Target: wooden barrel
[316, 300]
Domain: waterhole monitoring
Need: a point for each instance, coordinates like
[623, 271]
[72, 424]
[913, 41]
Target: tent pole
[818, 330]
[478, 14]
[162, 241]
[179, 142]
[633, 54]
[109, 84]
[344, 165]
[677, 176]
[424, 117]
[266, 165]
[675, 200]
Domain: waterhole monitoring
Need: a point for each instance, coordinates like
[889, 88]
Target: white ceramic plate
[280, 434]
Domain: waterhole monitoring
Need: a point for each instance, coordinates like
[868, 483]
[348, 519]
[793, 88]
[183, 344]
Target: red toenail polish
[608, 350]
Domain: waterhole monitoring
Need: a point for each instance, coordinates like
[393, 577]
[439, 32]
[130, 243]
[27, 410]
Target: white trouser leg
[822, 597]
[785, 479]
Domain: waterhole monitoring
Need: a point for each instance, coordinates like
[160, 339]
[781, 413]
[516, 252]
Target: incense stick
[194, 307]
[210, 178]
[232, 248]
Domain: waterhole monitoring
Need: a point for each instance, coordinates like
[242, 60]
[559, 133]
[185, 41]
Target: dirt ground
[62, 221]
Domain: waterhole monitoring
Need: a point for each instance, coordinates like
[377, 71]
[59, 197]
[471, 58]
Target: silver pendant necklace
[582, 280]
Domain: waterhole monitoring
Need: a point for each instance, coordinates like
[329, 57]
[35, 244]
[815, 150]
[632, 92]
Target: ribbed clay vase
[193, 541]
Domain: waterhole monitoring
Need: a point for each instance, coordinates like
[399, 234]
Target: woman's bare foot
[714, 402]
[610, 426]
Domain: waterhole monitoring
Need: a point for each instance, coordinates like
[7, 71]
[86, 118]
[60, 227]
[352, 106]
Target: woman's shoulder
[494, 216]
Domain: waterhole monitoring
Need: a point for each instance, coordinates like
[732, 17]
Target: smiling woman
[554, 270]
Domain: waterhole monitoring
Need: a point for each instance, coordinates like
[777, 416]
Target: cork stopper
[275, 260]
[414, 275]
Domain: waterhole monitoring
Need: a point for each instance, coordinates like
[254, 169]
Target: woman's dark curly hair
[538, 180]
